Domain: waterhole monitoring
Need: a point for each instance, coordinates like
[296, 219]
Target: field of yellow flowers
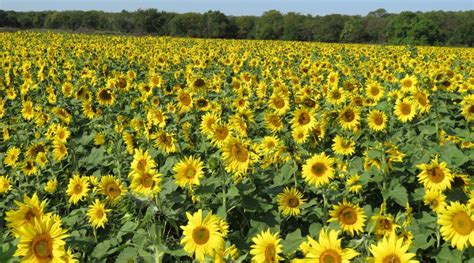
[149, 149]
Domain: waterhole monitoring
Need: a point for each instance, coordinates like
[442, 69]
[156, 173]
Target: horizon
[241, 7]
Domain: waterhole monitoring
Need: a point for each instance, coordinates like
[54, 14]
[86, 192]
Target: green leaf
[292, 242]
[452, 155]
[447, 254]
[399, 194]
[127, 255]
[101, 249]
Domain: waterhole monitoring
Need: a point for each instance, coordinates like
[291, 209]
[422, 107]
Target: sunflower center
[386, 224]
[240, 153]
[221, 133]
[471, 109]
[293, 201]
[199, 83]
[42, 247]
[435, 174]
[348, 216]
[99, 213]
[330, 256]
[141, 165]
[336, 95]
[434, 203]
[405, 109]
[185, 99]
[32, 213]
[200, 235]
[374, 91]
[113, 190]
[378, 119]
[270, 253]
[348, 115]
[279, 103]
[462, 223]
[105, 95]
[407, 83]
[318, 169]
[147, 180]
[304, 118]
[392, 258]
[422, 99]
[77, 189]
[190, 172]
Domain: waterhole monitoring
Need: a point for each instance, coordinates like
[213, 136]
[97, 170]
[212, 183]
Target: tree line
[379, 26]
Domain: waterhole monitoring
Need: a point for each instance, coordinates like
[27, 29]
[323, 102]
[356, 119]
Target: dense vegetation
[430, 28]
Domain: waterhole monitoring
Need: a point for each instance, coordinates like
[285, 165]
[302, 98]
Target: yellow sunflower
[42, 241]
[273, 122]
[405, 110]
[351, 217]
[457, 225]
[77, 188]
[97, 214]
[391, 249]
[146, 183]
[142, 161]
[207, 123]
[349, 118]
[336, 96]
[375, 91]
[279, 103]
[201, 236]
[51, 185]
[303, 118]
[408, 83]
[377, 120]
[5, 184]
[112, 187]
[328, 249]
[385, 225]
[164, 141]
[435, 199]
[29, 168]
[188, 171]
[467, 105]
[237, 156]
[11, 157]
[31, 208]
[290, 201]
[266, 247]
[59, 150]
[343, 146]
[105, 96]
[318, 170]
[435, 175]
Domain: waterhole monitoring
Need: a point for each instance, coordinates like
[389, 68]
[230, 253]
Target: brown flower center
[330, 256]
[42, 247]
[392, 258]
[462, 223]
[348, 216]
[240, 153]
[318, 169]
[200, 235]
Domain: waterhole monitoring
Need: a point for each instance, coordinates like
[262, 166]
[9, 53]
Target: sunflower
[11, 157]
[349, 118]
[269, 145]
[467, 105]
[105, 96]
[457, 225]
[336, 96]
[77, 188]
[237, 156]
[377, 120]
[188, 171]
[435, 176]
[185, 100]
[42, 241]
[273, 122]
[41, 159]
[351, 217]
[266, 247]
[279, 103]
[208, 121]
[385, 225]
[374, 91]
[220, 134]
[201, 237]
[408, 83]
[5, 184]
[328, 249]
[29, 168]
[51, 186]
[59, 150]
[405, 110]
[27, 110]
[422, 99]
[303, 118]
[97, 214]
[164, 141]
[353, 184]
[435, 199]
[290, 201]
[146, 183]
[343, 146]
[318, 169]
[142, 161]
[112, 187]
[31, 208]
[300, 135]
[391, 249]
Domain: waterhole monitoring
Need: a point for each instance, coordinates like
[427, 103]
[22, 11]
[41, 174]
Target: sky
[243, 7]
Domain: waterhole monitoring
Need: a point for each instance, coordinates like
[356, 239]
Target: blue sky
[243, 7]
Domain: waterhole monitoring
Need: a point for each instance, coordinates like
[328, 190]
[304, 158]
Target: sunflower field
[159, 149]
